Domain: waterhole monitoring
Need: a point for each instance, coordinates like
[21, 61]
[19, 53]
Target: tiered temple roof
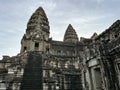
[70, 34]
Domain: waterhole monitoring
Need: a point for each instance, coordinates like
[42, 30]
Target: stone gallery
[72, 64]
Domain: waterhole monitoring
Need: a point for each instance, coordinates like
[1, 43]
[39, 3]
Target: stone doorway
[72, 82]
[97, 79]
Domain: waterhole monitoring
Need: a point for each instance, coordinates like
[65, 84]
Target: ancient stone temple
[72, 64]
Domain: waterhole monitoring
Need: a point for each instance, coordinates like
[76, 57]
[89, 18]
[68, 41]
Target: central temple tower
[37, 32]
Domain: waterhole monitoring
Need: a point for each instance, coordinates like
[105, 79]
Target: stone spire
[37, 32]
[70, 35]
[38, 23]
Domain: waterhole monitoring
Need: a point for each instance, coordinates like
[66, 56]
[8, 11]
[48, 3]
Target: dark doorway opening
[36, 46]
[25, 48]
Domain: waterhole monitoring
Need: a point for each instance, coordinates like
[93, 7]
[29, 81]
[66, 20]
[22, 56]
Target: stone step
[32, 77]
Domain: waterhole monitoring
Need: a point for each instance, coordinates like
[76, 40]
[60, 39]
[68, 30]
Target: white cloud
[84, 25]
[0, 57]
[98, 1]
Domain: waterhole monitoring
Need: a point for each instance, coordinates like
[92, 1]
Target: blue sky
[86, 16]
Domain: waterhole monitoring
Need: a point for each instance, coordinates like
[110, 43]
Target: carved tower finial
[70, 35]
[37, 31]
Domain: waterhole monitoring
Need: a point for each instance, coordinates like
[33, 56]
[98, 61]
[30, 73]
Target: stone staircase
[32, 78]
